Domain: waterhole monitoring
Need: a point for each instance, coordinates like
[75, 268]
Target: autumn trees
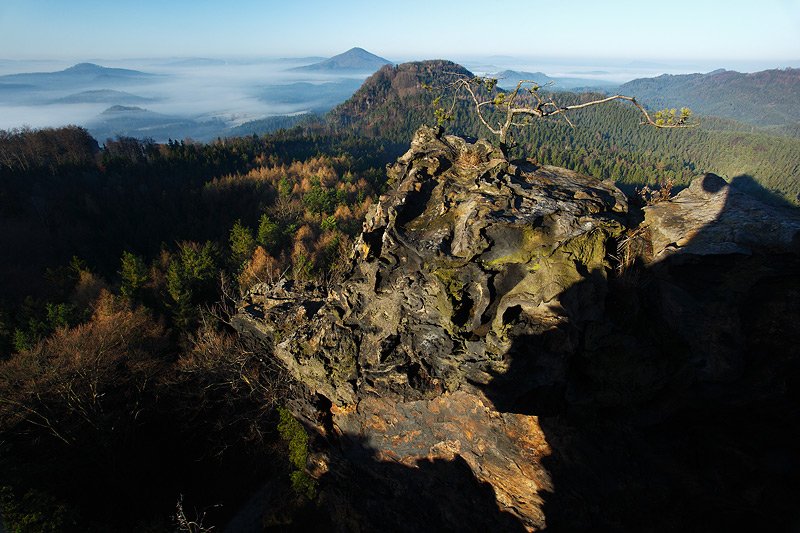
[94, 375]
[120, 378]
[306, 231]
[49, 150]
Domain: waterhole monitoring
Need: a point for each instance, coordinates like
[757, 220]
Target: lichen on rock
[484, 302]
[442, 257]
[465, 248]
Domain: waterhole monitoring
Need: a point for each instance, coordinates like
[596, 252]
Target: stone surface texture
[486, 346]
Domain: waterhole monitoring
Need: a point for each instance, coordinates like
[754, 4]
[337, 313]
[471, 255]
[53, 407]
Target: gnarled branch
[506, 104]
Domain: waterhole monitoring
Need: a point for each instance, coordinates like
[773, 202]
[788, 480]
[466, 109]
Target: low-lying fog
[223, 93]
[204, 98]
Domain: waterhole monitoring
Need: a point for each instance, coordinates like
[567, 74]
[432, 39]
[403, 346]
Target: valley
[251, 283]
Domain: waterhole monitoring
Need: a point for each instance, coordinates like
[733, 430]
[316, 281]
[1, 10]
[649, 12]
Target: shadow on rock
[423, 495]
[675, 409]
[508, 352]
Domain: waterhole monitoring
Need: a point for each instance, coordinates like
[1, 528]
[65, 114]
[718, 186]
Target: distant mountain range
[82, 74]
[394, 97]
[508, 79]
[770, 98]
[354, 60]
[91, 84]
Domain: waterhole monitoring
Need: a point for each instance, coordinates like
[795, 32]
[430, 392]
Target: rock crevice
[484, 295]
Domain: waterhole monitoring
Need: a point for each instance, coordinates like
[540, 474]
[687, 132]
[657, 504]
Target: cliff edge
[509, 352]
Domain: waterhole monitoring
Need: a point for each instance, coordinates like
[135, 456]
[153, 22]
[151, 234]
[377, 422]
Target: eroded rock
[483, 341]
[711, 217]
[463, 245]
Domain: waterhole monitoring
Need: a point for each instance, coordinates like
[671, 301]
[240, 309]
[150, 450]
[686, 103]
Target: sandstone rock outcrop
[711, 217]
[486, 347]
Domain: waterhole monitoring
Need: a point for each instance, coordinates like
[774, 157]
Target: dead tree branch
[489, 103]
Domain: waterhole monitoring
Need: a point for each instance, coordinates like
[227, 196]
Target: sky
[767, 30]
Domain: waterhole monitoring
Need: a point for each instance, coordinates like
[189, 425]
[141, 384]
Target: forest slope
[607, 141]
[766, 98]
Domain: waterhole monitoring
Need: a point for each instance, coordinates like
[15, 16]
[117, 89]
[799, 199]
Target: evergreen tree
[133, 274]
[269, 233]
[242, 244]
[190, 279]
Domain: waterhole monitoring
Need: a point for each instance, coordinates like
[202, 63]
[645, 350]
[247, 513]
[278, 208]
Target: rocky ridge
[491, 358]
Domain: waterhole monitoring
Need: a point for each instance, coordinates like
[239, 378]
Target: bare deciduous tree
[187, 525]
[95, 376]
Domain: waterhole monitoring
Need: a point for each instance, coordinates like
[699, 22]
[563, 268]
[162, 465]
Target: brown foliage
[262, 267]
[229, 386]
[661, 193]
[94, 375]
[88, 289]
[361, 210]
[344, 216]
[50, 149]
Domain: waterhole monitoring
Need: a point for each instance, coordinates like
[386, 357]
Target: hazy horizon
[229, 62]
[639, 67]
[235, 90]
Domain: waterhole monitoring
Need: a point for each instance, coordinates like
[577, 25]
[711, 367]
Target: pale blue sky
[763, 30]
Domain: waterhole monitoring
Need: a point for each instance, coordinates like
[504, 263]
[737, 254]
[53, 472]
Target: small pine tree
[242, 244]
[133, 273]
[190, 281]
[269, 234]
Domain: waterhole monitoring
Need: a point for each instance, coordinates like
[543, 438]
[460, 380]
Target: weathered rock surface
[712, 217]
[485, 367]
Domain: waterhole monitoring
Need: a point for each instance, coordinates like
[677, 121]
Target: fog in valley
[174, 98]
[205, 98]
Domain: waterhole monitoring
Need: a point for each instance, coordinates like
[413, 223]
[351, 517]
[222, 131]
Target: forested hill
[767, 98]
[396, 100]
[607, 141]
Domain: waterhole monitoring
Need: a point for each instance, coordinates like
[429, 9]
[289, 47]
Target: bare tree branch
[482, 93]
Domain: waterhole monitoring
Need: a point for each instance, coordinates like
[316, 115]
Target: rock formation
[492, 363]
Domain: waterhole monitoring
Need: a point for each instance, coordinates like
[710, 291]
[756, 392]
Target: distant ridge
[92, 68]
[354, 60]
[766, 98]
[82, 74]
[102, 96]
[134, 121]
[509, 78]
[125, 109]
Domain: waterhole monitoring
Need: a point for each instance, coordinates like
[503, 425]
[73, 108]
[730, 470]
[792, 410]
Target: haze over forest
[205, 98]
[204, 82]
[337, 266]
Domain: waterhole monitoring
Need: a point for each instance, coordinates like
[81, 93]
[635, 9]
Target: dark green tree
[190, 281]
[133, 273]
[242, 244]
[269, 233]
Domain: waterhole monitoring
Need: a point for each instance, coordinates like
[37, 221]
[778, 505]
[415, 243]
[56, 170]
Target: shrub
[296, 439]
